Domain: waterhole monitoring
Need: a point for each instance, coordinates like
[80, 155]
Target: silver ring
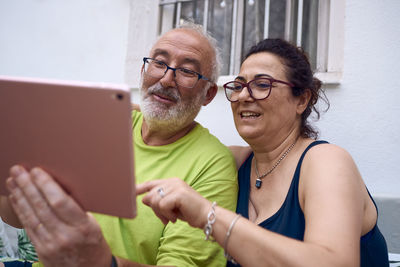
[161, 192]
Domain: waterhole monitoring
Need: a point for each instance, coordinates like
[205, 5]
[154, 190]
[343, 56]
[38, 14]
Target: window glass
[253, 28]
[277, 18]
[193, 11]
[283, 22]
[310, 30]
[167, 17]
[219, 24]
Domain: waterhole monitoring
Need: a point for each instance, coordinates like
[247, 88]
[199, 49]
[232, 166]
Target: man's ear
[303, 101]
[211, 93]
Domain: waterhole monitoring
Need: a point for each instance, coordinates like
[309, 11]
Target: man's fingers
[16, 170]
[26, 214]
[34, 197]
[61, 203]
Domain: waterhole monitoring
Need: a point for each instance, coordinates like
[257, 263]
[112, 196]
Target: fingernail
[16, 170]
[10, 184]
[36, 171]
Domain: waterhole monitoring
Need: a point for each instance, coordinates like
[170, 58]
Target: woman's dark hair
[298, 72]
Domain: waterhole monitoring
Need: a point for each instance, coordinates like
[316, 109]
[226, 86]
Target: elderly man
[178, 78]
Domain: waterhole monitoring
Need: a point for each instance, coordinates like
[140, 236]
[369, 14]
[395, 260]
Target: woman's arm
[135, 107]
[240, 154]
[7, 213]
[331, 199]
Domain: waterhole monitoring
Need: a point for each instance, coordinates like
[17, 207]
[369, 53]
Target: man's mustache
[171, 93]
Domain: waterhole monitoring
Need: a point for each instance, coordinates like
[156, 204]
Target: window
[316, 25]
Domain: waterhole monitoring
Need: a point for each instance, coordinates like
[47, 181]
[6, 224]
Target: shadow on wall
[389, 221]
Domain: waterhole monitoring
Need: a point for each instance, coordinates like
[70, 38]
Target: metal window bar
[178, 13]
[167, 2]
[322, 40]
[266, 18]
[205, 14]
[299, 22]
[257, 20]
[161, 17]
[233, 40]
[288, 19]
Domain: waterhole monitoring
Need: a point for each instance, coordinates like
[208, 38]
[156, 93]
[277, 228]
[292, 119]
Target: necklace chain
[258, 180]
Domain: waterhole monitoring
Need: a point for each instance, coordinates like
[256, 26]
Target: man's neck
[164, 136]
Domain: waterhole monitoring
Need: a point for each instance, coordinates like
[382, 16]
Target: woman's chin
[249, 133]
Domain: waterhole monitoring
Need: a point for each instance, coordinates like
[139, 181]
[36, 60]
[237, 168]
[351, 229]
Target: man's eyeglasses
[259, 88]
[183, 77]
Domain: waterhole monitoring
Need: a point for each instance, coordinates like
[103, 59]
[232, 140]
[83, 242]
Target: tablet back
[80, 133]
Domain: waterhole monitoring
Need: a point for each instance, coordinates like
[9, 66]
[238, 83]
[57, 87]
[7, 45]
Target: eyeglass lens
[183, 77]
[259, 89]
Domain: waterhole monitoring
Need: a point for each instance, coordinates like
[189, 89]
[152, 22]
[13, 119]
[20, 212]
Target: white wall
[364, 116]
[104, 40]
[73, 40]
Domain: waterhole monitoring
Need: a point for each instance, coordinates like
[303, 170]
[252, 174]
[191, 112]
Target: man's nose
[168, 80]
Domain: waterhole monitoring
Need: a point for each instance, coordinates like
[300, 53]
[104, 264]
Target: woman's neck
[267, 153]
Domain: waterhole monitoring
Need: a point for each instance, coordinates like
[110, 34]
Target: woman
[307, 196]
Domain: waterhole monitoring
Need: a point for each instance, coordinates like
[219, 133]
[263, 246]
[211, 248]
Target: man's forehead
[187, 43]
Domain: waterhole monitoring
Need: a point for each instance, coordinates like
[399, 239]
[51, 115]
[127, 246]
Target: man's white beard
[169, 118]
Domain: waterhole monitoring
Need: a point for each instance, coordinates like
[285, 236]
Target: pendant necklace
[258, 180]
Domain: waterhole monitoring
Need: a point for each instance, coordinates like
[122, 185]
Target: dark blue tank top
[289, 219]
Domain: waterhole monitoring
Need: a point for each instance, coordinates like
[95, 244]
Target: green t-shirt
[202, 162]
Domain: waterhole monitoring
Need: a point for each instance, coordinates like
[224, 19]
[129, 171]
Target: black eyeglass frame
[199, 76]
[244, 85]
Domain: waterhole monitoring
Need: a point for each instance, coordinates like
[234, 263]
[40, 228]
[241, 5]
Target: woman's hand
[173, 199]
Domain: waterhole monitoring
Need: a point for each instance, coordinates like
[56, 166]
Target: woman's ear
[304, 99]
[211, 93]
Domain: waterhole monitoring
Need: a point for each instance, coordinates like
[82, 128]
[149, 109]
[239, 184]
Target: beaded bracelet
[228, 234]
[210, 221]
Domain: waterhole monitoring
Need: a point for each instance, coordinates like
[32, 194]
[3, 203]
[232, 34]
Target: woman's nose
[245, 95]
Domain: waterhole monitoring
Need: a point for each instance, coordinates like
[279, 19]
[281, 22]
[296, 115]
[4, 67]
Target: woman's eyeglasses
[259, 88]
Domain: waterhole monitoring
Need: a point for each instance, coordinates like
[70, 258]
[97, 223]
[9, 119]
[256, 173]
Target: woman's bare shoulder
[240, 153]
[328, 152]
[329, 165]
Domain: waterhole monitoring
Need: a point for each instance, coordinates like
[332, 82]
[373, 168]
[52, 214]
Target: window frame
[330, 42]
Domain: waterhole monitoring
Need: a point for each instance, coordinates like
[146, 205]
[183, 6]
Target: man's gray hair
[216, 64]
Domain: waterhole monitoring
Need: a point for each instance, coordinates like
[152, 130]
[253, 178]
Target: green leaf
[26, 250]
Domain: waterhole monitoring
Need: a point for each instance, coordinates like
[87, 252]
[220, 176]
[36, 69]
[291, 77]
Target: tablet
[81, 133]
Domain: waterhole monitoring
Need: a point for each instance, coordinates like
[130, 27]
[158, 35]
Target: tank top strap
[297, 172]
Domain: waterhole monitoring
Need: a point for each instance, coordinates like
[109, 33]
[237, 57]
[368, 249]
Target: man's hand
[62, 233]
